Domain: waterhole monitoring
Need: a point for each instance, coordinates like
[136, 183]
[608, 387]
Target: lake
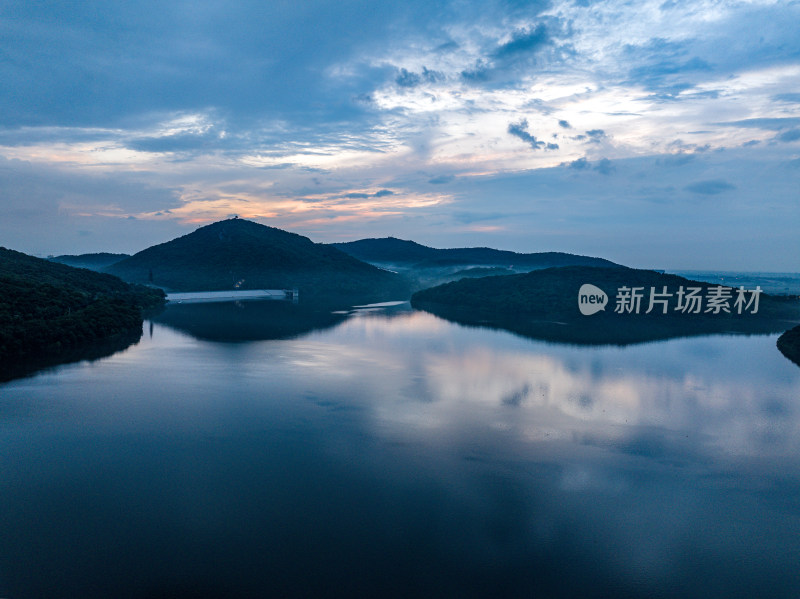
[387, 452]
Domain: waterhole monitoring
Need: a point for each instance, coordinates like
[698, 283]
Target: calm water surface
[395, 454]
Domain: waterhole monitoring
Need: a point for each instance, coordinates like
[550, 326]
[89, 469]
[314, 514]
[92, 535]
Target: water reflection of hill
[603, 331]
[91, 352]
[247, 321]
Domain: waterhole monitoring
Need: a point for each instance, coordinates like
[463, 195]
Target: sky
[656, 134]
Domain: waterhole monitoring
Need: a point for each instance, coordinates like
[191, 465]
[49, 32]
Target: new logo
[591, 299]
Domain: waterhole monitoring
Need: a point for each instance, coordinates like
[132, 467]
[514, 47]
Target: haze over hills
[96, 262]
[241, 254]
[390, 250]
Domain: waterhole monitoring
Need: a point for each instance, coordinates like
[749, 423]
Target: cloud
[480, 72]
[87, 65]
[520, 130]
[407, 78]
[788, 97]
[113, 106]
[182, 142]
[579, 164]
[595, 135]
[381, 193]
[768, 123]
[523, 41]
[674, 160]
[605, 167]
[790, 135]
[469, 217]
[711, 187]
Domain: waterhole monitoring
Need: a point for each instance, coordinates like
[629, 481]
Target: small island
[544, 304]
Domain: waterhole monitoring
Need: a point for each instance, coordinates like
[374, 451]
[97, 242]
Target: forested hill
[237, 253]
[544, 304]
[48, 308]
[390, 250]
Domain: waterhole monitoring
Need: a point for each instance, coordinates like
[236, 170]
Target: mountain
[389, 250]
[96, 262]
[544, 304]
[48, 310]
[241, 254]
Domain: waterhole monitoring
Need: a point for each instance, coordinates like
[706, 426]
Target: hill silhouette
[543, 304]
[241, 254]
[390, 250]
[97, 262]
[51, 312]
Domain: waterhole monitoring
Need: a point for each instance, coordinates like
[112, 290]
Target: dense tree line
[544, 304]
[48, 308]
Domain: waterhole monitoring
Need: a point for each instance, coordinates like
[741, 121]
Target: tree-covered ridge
[544, 304]
[47, 308]
[391, 250]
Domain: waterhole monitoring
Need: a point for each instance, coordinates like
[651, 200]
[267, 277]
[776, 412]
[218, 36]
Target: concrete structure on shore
[232, 296]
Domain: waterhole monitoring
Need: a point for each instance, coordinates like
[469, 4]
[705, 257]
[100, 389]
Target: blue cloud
[523, 41]
[480, 73]
[579, 164]
[770, 124]
[520, 130]
[789, 98]
[672, 160]
[605, 167]
[362, 196]
[790, 135]
[711, 187]
[593, 135]
[407, 78]
[184, 142]
[84, 64]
